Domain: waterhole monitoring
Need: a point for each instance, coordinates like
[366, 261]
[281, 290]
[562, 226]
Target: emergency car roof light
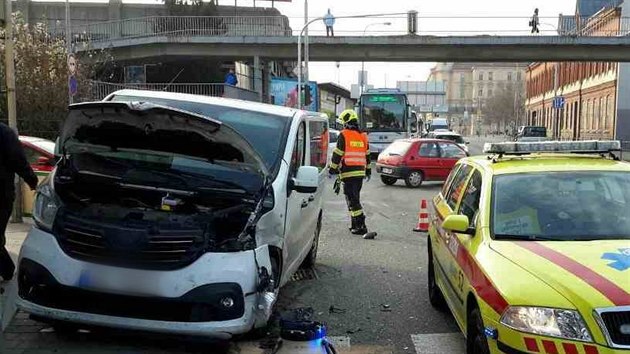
[576, 147]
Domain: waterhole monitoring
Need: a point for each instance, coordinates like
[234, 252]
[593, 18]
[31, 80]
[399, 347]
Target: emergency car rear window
[562, 206]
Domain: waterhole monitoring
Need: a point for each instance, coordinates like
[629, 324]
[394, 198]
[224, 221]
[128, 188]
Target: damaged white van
[174, 213]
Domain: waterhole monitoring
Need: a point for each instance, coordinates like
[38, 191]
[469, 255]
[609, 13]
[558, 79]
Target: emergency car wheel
[476, 343]
[388, 180]
[414, 179]
[311, 258]
[436, 298]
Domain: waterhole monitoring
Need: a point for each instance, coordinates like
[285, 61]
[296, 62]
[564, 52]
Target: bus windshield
[384, 112]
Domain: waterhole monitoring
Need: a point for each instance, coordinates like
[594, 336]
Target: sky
[513, 19]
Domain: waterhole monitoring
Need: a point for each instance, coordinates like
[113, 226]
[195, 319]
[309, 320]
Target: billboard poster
[284, 93]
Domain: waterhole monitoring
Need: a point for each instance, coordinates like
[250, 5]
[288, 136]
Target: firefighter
[351, 160]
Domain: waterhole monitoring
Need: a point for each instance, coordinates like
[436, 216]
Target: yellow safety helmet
[348, 116]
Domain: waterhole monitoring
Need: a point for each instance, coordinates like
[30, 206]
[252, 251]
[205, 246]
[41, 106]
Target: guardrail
[180, 26]
[101, 89]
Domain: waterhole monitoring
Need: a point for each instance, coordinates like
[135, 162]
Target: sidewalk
[16, 233]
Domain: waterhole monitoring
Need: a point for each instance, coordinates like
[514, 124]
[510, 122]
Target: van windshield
[267, 133]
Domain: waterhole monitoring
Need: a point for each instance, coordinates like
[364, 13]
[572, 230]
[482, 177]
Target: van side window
[470, 202]
[457, 186]
[297, 160]
[318, 136]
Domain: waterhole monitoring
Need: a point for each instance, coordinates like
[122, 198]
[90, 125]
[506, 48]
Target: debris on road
[370, 236]
[353, 331]
[385, 308]
[333, 309]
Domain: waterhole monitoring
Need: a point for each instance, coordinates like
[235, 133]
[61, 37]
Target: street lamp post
[362, 84]
[299, 58]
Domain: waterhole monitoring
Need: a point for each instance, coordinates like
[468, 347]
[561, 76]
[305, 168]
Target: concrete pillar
[115, 14]
[24, 7]
[258, 77]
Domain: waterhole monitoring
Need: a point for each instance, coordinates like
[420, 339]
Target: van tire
[414, 179]
[390, 181]
[311, 257]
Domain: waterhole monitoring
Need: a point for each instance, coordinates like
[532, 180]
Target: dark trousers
[352, 190]
[329, 31]
[6, 263]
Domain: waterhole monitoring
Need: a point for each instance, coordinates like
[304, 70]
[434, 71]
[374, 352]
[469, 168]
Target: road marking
[439, 343]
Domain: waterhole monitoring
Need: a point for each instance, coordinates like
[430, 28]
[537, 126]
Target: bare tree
[506, 107]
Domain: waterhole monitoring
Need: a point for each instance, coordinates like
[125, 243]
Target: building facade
[470, 85]
[589, 89]
[334, 99]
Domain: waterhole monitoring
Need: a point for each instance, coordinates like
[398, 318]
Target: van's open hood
[124, 125]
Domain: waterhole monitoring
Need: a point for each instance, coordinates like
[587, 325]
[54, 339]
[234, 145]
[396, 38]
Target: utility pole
[9, 62]
[306, 43]
[68, 42]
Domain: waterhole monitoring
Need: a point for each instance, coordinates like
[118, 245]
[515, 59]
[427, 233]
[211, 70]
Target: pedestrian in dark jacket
[12, 161]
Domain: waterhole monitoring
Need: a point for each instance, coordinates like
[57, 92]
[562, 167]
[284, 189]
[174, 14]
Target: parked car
[174, 213]
[418, 160]
[40, 153]
[449, 135]
[531, 134]
[438, 123]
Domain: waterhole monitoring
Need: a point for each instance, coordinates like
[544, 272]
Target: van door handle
[311, 198]
[304, 203]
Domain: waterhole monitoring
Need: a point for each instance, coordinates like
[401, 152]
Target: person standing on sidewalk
[12, 161]
[329, 21]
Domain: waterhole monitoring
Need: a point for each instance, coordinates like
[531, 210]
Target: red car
[39, 152]
[418, 160]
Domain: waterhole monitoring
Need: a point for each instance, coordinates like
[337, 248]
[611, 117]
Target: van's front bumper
[189, 301]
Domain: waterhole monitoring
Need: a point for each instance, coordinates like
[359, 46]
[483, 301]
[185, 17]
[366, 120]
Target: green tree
[41, 78]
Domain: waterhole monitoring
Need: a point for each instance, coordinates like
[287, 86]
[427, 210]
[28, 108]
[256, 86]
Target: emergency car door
[447, 253]
[296, 227]
[461, 245]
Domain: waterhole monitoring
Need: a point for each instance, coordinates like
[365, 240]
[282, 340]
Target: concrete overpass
[376, 48]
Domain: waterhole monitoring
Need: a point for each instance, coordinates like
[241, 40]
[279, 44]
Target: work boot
[360, 228]
[353, 226]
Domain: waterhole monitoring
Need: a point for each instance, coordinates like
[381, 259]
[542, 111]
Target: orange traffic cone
[423, 218]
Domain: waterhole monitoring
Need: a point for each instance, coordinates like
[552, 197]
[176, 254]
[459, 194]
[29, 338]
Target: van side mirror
[306, 180]
[459, 224]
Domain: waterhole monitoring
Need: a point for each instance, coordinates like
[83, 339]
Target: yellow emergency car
[529, 247]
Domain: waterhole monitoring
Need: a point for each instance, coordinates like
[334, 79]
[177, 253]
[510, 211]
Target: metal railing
[101, 89]
[181, 26]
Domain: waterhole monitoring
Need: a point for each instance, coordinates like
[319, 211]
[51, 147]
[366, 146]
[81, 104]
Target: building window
[489, 92]
[480, 76]
[462, 77]
[490, 76]
[518, 76]
[509, 76]
[596, 113]
[611, 112]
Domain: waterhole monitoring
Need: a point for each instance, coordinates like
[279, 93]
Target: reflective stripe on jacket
[352, 155]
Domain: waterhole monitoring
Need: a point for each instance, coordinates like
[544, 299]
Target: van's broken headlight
[45, 207]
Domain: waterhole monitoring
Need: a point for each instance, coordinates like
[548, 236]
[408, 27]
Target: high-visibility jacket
[352, 154]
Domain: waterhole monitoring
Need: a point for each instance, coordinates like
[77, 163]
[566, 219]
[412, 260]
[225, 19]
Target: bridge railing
[183, 26]
[102, 89]
[273, 26]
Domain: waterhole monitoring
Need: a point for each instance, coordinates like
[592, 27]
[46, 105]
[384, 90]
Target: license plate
[116, 280]
[388, 170]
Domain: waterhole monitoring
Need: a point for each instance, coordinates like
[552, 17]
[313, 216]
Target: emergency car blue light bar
[581, 147]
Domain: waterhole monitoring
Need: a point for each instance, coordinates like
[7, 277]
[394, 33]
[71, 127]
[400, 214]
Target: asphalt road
[372, 294]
